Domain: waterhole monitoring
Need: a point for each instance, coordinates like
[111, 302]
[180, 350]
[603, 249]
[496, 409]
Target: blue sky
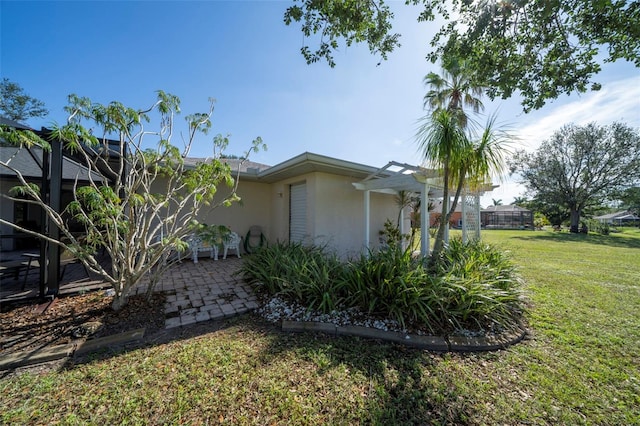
[242, 54]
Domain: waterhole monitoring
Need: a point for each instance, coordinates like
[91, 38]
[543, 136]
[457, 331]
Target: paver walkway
[195, 291]
[203, 291]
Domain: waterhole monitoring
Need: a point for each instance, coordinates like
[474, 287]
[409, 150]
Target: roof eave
[308, 163]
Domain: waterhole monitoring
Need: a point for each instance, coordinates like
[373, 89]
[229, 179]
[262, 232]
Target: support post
[403, 242]
[424, 221]
[478, 215]
[464, 215]
[53, 252]
[367, 211]
[447, 202]
[44, 224]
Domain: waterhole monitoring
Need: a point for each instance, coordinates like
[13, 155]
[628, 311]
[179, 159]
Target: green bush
[389, 283]
[474, 286]
[598, 227]
[304, 274]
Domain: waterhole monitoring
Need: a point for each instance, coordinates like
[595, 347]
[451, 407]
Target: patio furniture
[66, 258]
[254, 234]
[231, 242]
[12, 267]
[197, 244]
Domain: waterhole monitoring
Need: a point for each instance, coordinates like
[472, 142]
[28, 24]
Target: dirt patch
[29, 326]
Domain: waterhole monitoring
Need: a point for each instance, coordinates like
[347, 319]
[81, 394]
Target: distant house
[621, 218]
[506, 217]
[436, 212]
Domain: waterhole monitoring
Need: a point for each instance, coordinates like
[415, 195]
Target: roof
[304, 163]
[29, 160]
[621, 215]
[308, 162]
[236, 164]
[507, 208]
[11, 123]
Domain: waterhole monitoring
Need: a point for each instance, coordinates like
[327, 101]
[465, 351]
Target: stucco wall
[339, 214]
[335, 212]
[253, 209]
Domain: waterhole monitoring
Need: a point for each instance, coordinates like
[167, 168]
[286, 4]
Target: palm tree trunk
[437, 246]
[447, 212]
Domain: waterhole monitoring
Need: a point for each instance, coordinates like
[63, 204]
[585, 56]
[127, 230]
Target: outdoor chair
[231, 242]
[66, 258]
[254, 239]
[197, 244]
[11, 268]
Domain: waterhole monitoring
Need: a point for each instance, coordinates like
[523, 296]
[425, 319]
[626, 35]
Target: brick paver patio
[203, 291]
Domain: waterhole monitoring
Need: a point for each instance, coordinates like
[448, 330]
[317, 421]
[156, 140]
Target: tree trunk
[119, 302]
[575, 220]
[439, 243]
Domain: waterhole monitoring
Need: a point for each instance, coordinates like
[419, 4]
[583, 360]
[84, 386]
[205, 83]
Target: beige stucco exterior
[335, 211]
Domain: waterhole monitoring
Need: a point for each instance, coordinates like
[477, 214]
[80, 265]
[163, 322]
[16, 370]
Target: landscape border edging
[432, 343]
[54, 353]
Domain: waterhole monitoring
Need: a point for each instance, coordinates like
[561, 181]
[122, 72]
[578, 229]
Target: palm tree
[403, 199]
[445, 145]
[520, 201]
[463, 162]
[497, 202]
[453, 90]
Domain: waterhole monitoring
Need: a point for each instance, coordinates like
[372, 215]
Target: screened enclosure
[506, 217]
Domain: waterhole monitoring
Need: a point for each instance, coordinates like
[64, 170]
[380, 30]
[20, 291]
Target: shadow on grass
[613, 240]
[399, 391]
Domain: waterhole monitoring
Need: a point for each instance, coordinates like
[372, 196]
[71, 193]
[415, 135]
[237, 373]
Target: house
[309, 198]
[621, 218]
[455, 221]
[506, 217]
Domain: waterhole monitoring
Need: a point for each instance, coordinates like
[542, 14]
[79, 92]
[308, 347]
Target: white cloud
[617, 101]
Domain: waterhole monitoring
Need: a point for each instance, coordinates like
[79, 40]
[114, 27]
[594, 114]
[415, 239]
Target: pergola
[395, 177]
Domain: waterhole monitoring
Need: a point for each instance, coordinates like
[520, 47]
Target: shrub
[305, 274]
[473, 286]
[598, 227]
[540, 220]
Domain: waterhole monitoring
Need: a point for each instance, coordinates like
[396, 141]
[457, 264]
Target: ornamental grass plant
[473, 287]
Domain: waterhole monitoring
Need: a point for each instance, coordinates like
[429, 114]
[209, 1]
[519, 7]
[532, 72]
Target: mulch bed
[25, 326]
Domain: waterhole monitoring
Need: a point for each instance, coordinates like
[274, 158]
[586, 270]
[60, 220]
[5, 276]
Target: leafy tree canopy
[581, 166]
[539, 49]
[630, 198]
[16, 105]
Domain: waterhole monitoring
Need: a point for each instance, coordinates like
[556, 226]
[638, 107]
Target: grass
[580, 366]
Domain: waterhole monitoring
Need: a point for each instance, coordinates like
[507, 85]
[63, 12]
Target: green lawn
[580, 366]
